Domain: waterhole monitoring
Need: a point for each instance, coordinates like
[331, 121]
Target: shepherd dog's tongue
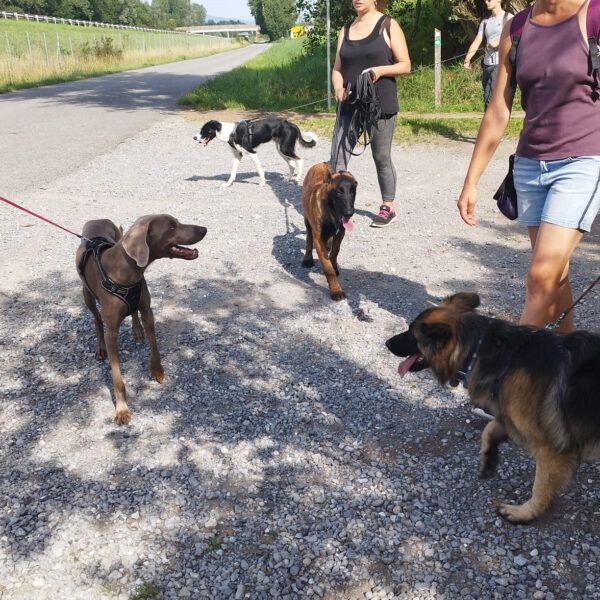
[347, 223]
[405, 365]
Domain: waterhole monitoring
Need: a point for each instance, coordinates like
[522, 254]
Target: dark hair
[381, 5]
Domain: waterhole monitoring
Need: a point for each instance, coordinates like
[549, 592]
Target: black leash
[555, 324]
[365, 115]
[367, 111]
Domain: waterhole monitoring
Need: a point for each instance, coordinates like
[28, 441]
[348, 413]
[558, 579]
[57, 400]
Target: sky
[230, 9]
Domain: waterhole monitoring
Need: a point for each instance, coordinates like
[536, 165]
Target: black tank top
[372, 51]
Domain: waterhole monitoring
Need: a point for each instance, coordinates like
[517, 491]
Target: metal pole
[437, 43]
[328, 56]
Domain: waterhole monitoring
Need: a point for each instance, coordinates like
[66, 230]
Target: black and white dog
[244, 137]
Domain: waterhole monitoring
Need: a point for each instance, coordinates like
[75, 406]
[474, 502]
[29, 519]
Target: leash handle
[30, 212]
[555, 324]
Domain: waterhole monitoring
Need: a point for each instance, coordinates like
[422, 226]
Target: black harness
[130, 294]
[249, 124]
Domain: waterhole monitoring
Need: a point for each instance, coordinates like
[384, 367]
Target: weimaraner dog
[111, 266]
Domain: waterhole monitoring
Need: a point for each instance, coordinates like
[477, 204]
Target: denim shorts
[564, 192]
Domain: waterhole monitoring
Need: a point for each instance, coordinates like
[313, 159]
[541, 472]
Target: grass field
[283, 78]
[33, 54]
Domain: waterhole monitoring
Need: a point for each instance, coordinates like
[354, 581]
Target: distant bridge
[239, 29]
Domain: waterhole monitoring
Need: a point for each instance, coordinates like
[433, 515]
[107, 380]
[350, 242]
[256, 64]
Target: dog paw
[101, 353]
[157, 373]
[341, 295]
[122, 416]
[262, 183]
[227, 184]
[308, 263]
[517, 514]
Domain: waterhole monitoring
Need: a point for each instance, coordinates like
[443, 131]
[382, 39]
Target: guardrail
[44, 19]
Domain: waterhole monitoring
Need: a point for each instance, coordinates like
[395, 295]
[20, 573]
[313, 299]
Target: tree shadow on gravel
[271, 455]
[390, 292]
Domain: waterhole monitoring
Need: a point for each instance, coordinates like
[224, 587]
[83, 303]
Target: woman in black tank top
[375, 42]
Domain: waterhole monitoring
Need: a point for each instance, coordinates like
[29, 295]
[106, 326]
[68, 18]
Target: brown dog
[328, 203]
[541, 387]
[112, 267]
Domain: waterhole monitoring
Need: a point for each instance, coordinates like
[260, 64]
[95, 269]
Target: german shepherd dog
[543, 388]
[328, 203]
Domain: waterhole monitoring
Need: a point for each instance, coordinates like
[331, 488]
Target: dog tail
[308, 139]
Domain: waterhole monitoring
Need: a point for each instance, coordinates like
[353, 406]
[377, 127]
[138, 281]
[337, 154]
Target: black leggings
[343, 143]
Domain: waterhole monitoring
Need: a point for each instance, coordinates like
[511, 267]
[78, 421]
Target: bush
[103, 48]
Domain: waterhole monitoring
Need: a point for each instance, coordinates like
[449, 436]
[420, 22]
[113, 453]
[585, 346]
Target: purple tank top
[561, 117]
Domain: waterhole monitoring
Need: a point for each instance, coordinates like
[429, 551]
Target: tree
[256, 8]
[280, 16]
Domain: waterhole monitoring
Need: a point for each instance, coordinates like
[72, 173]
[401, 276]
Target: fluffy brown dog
[541, 387]
[328, 203]
[112, 268]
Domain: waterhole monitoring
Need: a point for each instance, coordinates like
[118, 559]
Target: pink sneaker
[385, 217]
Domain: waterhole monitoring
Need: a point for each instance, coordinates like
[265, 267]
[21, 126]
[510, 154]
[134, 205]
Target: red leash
[29, 212]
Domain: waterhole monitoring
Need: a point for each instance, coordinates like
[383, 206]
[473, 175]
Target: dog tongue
[405, 365]
[347, 223]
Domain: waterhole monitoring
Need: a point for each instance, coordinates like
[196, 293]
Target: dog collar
[462, 375]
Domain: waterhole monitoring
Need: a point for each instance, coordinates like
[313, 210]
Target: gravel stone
[282, 456]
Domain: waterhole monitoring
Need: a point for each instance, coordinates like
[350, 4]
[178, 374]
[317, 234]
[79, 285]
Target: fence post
[437, 43]
[46, 49]
[57, 48]
[29, 46]
[10, 74]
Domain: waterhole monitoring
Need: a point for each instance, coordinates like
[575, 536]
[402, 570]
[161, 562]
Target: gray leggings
[343, 144]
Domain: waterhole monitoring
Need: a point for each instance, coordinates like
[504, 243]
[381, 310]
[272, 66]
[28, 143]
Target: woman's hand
[467, 63]
[341, 95]
[466, 204]
[376, 73]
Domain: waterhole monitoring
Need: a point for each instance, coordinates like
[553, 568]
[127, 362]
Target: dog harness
[249, 124]
[130, 294]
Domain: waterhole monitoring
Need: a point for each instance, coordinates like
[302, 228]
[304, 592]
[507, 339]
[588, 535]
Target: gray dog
[111, 266]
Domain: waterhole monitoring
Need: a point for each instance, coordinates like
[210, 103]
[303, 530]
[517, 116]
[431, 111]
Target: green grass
[411, 129]
[283, 77]
[34, 54]
[146, 591]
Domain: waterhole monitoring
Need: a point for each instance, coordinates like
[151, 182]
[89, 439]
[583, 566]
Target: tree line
[457, 19]
[160, 14]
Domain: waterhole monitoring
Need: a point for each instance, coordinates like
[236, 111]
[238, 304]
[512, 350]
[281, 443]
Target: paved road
[50, 131]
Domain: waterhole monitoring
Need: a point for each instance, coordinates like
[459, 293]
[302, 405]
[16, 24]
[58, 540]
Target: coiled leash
[365, 116]
[555, 324]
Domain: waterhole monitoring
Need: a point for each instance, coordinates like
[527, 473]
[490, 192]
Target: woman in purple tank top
[557, 163]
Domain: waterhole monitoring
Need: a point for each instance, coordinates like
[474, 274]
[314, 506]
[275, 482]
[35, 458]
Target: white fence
[44, 19]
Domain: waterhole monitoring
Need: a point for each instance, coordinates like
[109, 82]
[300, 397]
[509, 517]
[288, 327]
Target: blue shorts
[564, 192]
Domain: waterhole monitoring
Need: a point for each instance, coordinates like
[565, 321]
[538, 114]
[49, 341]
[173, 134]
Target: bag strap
[593, 36]
[516, 31]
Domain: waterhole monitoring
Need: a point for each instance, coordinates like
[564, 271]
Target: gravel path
[282, 457]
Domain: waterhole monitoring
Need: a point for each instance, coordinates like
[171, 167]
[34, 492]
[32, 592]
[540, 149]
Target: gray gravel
[282, 457]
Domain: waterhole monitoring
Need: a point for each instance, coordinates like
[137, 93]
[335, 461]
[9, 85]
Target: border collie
[245, 136]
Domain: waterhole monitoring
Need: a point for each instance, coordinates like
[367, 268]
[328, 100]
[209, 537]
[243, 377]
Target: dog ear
[464, 301]
[328, 177]
[135, 243]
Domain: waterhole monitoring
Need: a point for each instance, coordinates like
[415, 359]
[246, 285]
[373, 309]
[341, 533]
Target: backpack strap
[593, 36]
[516, 31]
